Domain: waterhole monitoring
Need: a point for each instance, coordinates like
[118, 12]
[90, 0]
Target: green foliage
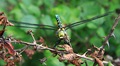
[2, 63]
[70, 11]
[52, 60]
[110, 64]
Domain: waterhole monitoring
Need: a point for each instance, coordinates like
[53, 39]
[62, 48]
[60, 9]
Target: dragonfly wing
[30, 25]
[87, 20]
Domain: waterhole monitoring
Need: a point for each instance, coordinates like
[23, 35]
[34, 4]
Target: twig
[88, 58]
[22, 49]
[30, 32]
[27, 46]
[111, 31]
[40, 47]
[110, 34]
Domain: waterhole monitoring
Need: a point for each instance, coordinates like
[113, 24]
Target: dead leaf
[41, 40]
[9, 23]
[69, 57]
[17, 57]
[67, 48]
[29, 53]
[98, 61]
[10, 48]
[94, 52]
[77, 62]
[4, 20]
[9, 62]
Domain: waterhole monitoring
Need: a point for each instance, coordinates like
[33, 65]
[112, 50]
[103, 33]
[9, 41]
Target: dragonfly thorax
[61, 33]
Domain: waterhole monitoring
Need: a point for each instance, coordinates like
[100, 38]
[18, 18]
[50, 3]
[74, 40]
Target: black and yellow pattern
[61, 33]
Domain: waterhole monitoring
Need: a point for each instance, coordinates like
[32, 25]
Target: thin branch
[23, 49]
[27, 46]
[110, 33]
[41, 47]
[91, 59]
[30, 32]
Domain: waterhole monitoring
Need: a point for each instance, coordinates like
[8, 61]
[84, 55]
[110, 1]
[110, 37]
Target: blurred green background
[70, 11]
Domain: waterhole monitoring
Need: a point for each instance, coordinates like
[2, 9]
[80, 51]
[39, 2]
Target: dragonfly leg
[66, 41]
[58, 42]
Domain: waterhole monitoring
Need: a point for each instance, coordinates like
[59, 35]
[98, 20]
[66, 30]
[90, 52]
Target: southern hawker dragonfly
[55, 28]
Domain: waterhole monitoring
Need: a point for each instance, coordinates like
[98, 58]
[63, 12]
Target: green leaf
[17, 33]
[27, 3]
[52, 61]
[38, 2]
[29, 19]
[98, 21]
[17, 13]
[90, 9]
[13, 2]
[3, 4]
[91, 26]
[46, 20]
[90, 63]
[114, 4]
[110, 64]
[118, 50]
[117, 34]
[2, 63]
[101, 32]
[63, 11]
[23, 8]
[34, 10]
[49, 3]
[95, 41]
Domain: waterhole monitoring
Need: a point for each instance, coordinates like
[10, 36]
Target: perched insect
[61, 33]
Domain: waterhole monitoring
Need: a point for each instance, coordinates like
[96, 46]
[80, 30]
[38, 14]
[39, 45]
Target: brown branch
[30, 32]
[27, 46]
[110, 34]
[111, 31]
[41, 47]
[91, 59]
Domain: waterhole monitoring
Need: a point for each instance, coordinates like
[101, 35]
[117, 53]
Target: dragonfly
[61, 33]
[55, 28]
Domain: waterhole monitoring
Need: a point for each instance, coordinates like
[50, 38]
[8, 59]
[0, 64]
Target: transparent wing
[87, 20]
[27, 25]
